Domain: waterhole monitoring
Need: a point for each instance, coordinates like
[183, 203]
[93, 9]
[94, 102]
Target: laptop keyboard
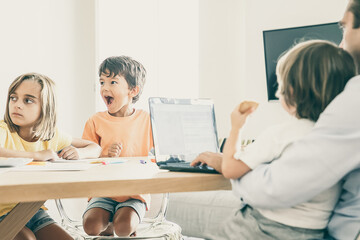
[187, 165]
[174, 163]
[180, 164]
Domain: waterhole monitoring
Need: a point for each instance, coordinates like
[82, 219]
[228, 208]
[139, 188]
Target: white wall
[162, 35]
[221, 57]
[191, 48]
[231, 53]
[55, 38]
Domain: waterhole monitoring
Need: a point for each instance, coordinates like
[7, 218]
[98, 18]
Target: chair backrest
[158, 205]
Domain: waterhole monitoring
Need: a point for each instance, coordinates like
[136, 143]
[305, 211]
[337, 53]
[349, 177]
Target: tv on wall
[278, 41]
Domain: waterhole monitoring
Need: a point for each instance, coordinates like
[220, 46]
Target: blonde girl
[29, 131]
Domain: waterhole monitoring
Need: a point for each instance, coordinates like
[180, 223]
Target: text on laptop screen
[183, 129]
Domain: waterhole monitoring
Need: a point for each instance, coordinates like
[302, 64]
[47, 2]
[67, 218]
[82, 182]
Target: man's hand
[115, 150]
[69, 153]
[214, 160]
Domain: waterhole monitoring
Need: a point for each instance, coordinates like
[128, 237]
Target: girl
[29, 131]
[310, 76]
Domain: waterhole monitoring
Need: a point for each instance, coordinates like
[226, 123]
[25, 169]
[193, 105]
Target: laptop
[182, 129]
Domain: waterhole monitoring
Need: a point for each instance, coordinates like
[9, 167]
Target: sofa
[200, 213]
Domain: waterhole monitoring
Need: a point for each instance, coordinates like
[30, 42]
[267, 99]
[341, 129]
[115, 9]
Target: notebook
[182, 129]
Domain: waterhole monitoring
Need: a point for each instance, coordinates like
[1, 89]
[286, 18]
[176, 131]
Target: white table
[32, 189]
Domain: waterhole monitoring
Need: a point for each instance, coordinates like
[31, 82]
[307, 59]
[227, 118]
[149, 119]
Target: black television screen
[279, 40]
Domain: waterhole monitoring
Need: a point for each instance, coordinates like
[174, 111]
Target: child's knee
[125, 222]
[93, 226]
[25, 234]
[124, 229]
[95, 221]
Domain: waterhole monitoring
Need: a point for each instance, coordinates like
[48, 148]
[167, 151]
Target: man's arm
[345, 222]
[312, 164]
[295, 177]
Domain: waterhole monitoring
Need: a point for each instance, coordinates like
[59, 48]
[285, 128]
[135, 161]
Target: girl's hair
[312, 74]
[133, 72]
[45, 126]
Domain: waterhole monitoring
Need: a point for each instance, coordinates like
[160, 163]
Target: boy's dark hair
[312, 74]
[133, 72]
[354, 7]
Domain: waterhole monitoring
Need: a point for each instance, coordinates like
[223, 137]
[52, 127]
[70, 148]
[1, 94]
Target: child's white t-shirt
[313, 214]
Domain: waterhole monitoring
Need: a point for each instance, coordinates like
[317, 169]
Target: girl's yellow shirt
[12, 141]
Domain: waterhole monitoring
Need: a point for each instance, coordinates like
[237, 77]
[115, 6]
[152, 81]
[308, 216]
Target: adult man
[321, 159]
[328, 154]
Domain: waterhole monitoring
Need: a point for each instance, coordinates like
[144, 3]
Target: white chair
[153, 226]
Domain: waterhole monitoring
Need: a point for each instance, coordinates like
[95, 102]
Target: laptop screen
[182, 128]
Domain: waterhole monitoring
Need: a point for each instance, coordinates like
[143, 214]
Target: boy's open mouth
[109, 100]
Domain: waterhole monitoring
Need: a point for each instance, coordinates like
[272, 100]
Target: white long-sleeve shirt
[330, 152]
[312, 214]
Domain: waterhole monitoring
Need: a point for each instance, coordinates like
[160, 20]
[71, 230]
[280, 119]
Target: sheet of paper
[13, 162]
[103, 161]
[49, 166]
[60, 160]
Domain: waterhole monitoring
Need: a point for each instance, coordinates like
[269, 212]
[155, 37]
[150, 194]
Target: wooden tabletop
[127, 178]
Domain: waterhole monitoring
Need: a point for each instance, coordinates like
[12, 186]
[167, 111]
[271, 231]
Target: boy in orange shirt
[122, 131]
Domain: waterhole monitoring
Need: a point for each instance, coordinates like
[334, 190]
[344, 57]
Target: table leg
[11, 225]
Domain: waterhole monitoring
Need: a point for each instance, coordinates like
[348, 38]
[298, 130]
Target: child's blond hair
[45, 126]
[312, 74]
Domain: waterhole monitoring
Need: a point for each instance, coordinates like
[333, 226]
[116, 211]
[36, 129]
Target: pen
[142, 161]
[117, 162]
